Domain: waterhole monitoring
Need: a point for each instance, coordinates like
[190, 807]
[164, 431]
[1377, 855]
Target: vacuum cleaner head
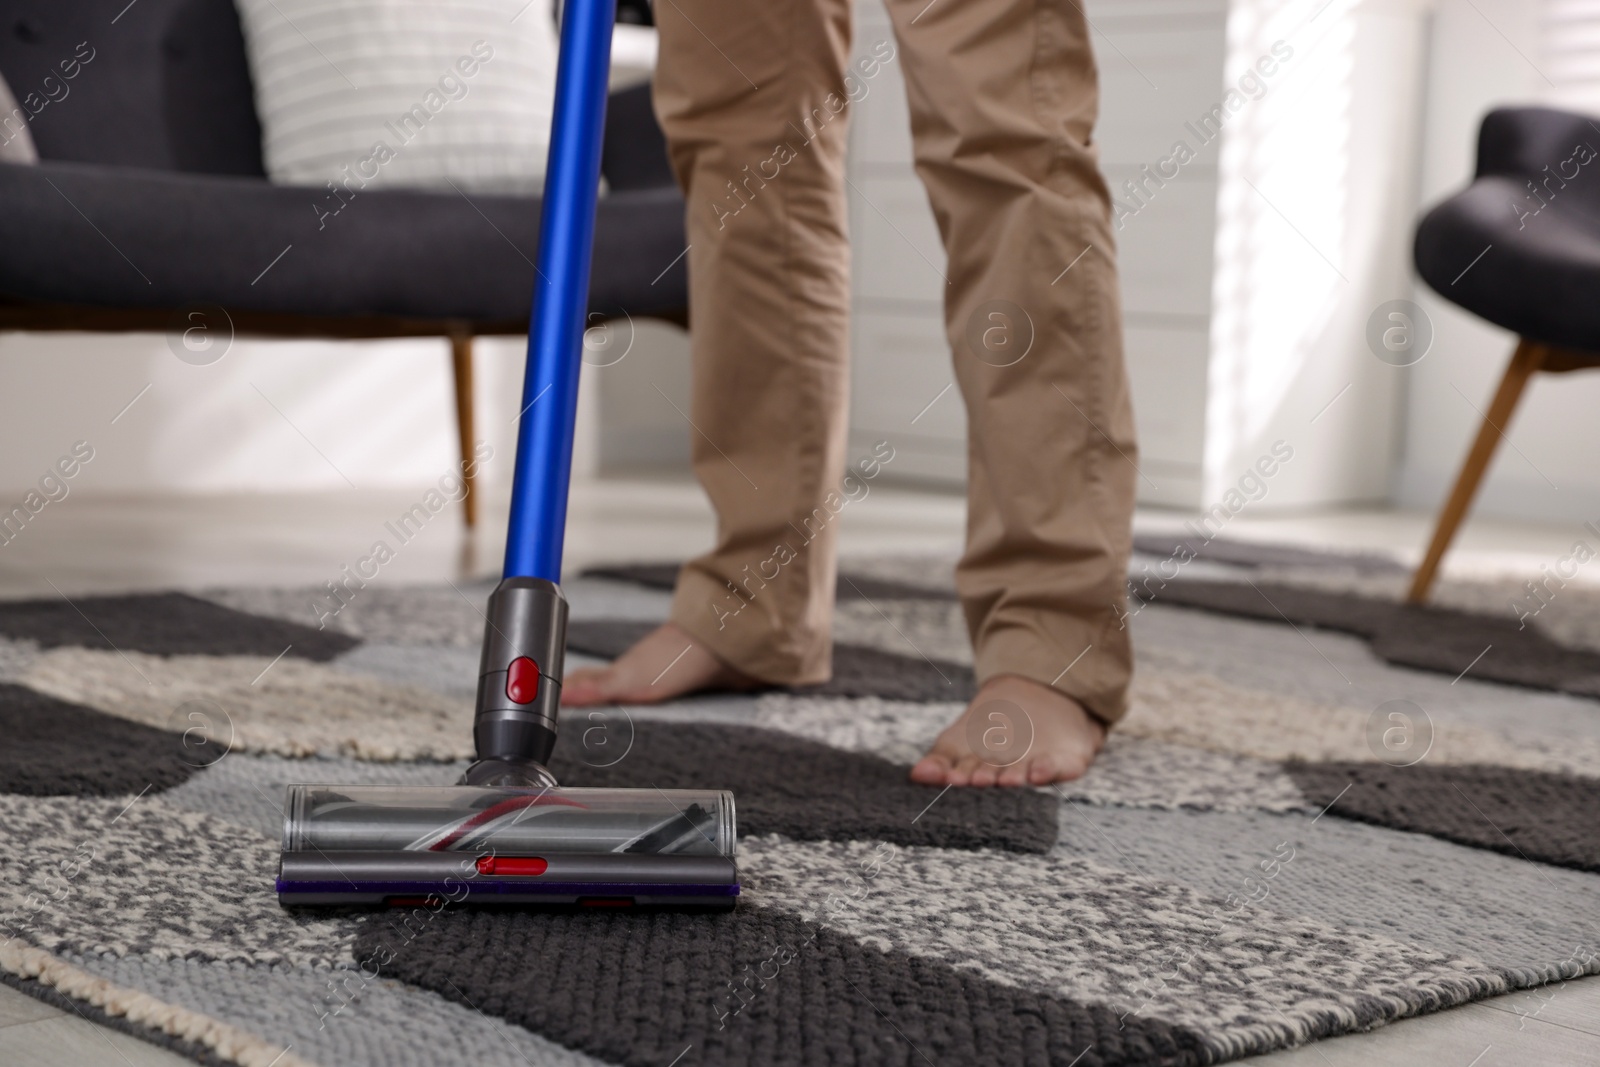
[402, 846]
[507, 834]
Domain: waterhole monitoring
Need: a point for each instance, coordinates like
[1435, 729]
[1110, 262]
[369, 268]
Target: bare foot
[666, 663]
[1015, 732]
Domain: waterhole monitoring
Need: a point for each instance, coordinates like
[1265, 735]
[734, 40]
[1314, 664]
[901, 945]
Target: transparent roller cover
[464, 819]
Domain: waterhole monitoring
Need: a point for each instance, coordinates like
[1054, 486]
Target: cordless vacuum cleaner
[506, 833]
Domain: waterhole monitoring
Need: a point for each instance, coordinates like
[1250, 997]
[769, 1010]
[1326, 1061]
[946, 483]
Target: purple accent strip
[507, 886]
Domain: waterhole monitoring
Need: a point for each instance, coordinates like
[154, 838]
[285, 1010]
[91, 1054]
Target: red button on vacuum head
[515, 865]
[522, 681]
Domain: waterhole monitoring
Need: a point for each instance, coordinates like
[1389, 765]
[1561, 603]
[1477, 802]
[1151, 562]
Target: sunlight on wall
[319, 412]
[1569, 54]
[1281, 219]
[1316, 200]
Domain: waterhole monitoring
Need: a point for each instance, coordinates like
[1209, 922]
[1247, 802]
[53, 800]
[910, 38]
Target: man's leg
[752, 100]
[1003, 99]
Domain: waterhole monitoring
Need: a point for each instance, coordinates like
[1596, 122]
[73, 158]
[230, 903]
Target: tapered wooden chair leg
[1524, 362]
[461, 361]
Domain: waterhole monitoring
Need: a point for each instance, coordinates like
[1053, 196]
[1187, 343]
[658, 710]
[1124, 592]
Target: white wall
[379, 413]
[270, 416]
[642, 402]
[1487, 53]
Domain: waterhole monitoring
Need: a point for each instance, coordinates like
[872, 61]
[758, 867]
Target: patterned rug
[1296, 833]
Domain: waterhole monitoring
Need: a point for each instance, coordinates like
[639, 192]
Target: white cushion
[415, 93]
[16, 140]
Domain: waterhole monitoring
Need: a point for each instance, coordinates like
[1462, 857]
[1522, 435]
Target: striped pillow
[414, 93]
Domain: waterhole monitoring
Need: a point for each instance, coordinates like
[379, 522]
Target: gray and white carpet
[1312, 822]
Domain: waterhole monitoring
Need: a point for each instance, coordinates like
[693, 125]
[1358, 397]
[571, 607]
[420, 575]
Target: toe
[579, 696]
[1076, 767]
[584, 688]
[932, 769]
[963, 771]
[1014, 774]
[1042, 770]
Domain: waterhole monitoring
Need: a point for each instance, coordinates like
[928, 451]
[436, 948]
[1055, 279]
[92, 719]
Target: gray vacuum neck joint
[519, 684]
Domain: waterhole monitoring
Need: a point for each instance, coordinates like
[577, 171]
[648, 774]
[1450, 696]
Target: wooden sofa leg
[1527, 359]
[461, 360]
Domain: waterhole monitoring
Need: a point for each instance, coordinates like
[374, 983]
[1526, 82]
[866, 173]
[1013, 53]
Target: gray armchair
[150, 201]
[1536, 278]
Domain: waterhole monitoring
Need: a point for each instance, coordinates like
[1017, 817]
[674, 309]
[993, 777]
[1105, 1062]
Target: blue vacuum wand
[506, 833]
[519, 678]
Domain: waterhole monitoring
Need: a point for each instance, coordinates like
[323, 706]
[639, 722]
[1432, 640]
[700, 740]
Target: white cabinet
[902, 360]
[901, 383]
[1246, 279]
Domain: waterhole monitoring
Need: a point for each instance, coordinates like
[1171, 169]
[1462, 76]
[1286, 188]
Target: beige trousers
[753, 99]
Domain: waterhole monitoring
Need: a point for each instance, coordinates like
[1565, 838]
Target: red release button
[523, 865]
[522, 681]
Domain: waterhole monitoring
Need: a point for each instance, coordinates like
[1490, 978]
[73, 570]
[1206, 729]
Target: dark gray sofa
[150, 198]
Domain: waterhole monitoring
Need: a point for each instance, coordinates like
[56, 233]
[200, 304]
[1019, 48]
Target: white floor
[85, 545]
[89, 544]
